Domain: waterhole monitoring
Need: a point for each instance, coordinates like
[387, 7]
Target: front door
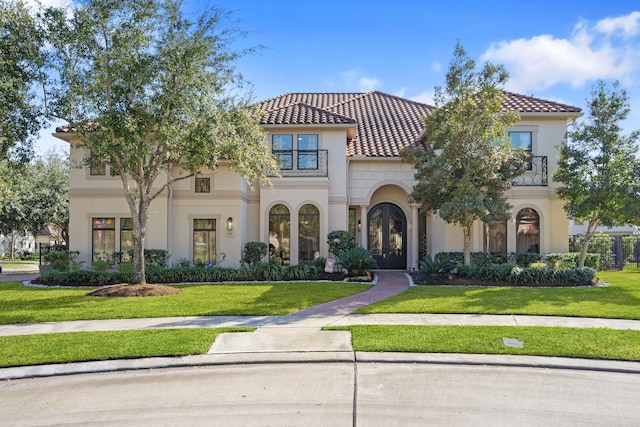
[387, 236]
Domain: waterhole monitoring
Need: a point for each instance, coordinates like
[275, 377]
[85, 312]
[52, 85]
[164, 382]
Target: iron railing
[535, 174]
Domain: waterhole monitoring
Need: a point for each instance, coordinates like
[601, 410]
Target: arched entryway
[387, 236]
[528, 231]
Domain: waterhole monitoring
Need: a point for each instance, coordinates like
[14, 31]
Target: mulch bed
[127, 290]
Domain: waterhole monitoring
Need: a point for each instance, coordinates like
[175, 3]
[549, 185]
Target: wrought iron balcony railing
[303, 162]
[535, 174]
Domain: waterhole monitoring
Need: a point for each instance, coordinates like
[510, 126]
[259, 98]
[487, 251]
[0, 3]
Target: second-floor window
[282, 147]
[524, 140]
[203, 185]
[97, 168]
[306, 151]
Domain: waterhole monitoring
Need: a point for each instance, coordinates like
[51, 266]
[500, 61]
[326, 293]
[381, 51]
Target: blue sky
[552, 49]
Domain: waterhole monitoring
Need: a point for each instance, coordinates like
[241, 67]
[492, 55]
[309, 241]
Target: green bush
[100, 265]
[430, 271]
[62, 260]
[156, 258]
[463, 270]
[340, 241]
[357, 261]
[487, 273]
[570, 259]
[253, 252]
[299, 272]
[270, 270]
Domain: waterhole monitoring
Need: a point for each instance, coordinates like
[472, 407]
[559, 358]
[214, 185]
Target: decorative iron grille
[536, 173]
[303, 162]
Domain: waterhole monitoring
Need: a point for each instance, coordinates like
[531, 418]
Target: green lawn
[18, 264]
[19, 304]
[592, 343]
[621, 299]
[25, 350]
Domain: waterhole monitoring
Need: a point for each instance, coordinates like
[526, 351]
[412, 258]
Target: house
[341, 170]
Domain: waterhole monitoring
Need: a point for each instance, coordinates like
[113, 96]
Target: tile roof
[529, 104]
[385, 123]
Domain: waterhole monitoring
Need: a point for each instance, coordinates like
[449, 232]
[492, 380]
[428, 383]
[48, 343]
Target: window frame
[202, 179]
[308, 155]
[211, 256]
[283, 155]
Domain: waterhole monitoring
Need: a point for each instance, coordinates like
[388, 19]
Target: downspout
[169, 210]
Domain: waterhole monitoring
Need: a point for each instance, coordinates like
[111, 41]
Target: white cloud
[542, 61]
[355, 79]
[628, 25]
[426, 97]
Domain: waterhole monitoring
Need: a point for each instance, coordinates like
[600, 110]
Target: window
[496, 240]
[307, 151]
[203, 185]
[352, 221]
[97, 168]
[282, 148]
[204, 241]
[524, 140]
[126, 238]
[103, 239]
[279, 233]
[308, 234]
[528, 231]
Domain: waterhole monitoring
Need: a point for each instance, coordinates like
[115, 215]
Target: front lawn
[621, 299]
[23, 350]
[592, 343]
[20, 304]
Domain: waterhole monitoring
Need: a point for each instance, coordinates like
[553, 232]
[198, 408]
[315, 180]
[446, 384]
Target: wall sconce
[359, 225]
[229, 227]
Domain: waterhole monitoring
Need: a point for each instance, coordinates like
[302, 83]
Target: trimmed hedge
[484, 258]
[592, 260]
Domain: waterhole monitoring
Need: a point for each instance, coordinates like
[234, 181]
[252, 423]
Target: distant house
[580, 229]
[341, 170]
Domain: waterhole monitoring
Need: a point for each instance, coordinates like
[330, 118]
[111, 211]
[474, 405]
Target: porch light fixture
[359, 225]
[229, 224]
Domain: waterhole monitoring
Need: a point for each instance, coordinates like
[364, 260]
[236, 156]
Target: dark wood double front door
[387, 232]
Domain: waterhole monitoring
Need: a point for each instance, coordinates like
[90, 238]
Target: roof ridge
[357, 95]
[389, 95]
[312, 107]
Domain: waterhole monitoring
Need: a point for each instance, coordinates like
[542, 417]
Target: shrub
[430, 270]
[156, 258]
[270, 270]
[254, 252]
[340, 241]
[463, 270]
[100, 265]
[125, 267]
[453, 257]
[487, 273]
[525, 258]
[570, 260]
[62, 260]
[357, 261]
[182, 263]
[299, 272]
[319, 263]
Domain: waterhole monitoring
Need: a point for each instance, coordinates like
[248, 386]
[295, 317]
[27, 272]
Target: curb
[228, 359]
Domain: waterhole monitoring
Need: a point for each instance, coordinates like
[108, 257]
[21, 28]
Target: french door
[387, 236]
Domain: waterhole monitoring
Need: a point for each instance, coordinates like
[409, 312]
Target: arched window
[308, 234]
[279, 233]
[528, 231]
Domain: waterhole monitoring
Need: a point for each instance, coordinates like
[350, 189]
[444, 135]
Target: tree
[598, 165]
[464, 163]
[35, 196]
[21, 59]
[155, 96]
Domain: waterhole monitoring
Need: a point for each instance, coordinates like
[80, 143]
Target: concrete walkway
[298, 336]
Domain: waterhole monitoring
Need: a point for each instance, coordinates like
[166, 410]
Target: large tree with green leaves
[598, 165]
[465, 164]
[21, 60]
[155, 95]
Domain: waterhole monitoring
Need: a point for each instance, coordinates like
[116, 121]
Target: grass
[25, 350]
[592, 343]
[18, 264]
[621, 299]
[19, 304]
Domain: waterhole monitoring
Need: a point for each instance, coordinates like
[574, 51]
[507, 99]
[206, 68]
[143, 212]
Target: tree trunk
[467, 244]
[591, 228]
[139, 212]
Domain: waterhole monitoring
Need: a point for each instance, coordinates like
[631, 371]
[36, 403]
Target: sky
[554, 50]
